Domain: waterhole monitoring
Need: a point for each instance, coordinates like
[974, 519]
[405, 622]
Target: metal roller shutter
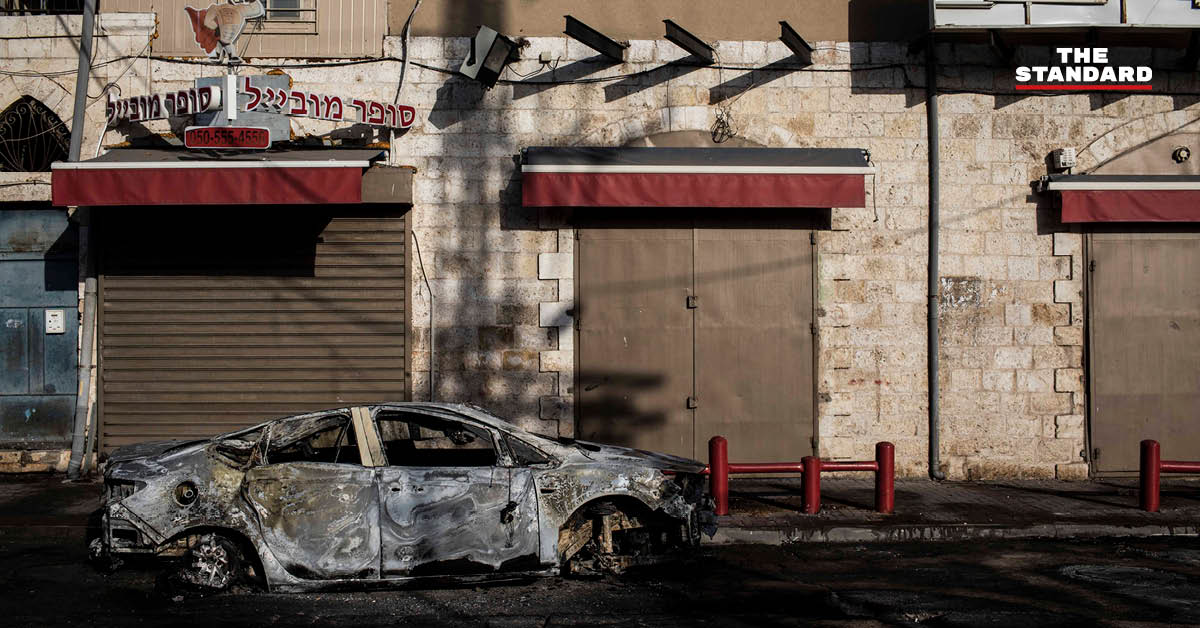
[216, 318]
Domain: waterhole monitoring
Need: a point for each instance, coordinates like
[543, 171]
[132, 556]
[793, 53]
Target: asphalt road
[45, 582]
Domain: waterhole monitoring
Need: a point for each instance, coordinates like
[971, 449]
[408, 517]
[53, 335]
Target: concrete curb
[940, 532]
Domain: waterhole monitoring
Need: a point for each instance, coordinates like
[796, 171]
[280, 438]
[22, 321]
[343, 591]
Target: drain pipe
[85, 380]
[931, 113]
[78, 123]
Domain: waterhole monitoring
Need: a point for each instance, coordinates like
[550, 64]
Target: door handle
[395, 489]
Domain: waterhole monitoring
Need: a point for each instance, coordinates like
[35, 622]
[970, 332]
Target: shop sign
[295, 102]
[160, 106]
[237, 137]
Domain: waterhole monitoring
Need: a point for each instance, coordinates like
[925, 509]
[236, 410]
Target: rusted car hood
[613, 453]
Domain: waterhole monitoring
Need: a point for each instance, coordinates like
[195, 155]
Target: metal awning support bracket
[795, 43]
[677, 35]
[595, 40]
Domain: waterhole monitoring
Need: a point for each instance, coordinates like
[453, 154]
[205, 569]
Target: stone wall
[41, 56]
[501, 276]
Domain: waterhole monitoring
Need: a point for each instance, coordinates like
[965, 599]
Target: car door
[451, 502]
[317, 498]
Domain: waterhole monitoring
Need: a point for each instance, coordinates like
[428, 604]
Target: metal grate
[40, 7]
[290, 16]
[31, 137]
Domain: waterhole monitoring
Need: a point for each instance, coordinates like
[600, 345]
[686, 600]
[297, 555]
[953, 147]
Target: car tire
[212, 565]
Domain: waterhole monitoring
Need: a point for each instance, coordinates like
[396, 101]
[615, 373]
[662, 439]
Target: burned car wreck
[394, 492]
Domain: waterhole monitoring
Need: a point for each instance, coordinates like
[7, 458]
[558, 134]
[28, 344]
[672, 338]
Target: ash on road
[45, 582]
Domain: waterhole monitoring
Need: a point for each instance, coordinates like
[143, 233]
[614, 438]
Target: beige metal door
[1144, 346]
[740, 352]
[635, 337]
[754, 340]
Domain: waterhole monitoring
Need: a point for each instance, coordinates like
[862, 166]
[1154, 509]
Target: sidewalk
[768, 510]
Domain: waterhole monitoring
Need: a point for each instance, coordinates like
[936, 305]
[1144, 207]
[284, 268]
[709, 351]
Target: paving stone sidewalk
[768, 510]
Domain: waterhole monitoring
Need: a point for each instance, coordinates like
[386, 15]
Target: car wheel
[212, 565]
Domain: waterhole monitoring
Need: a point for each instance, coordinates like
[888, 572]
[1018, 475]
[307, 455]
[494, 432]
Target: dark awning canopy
[1127, 198]
[694, 177]
[181, 177]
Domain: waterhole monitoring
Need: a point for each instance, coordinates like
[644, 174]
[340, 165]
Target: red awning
[175, 177]
[1119, 198]
[693, 177]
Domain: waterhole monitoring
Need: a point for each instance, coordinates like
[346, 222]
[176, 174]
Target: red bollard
[885, 477]
[1151, 467]
[811, 481]
[718, 478]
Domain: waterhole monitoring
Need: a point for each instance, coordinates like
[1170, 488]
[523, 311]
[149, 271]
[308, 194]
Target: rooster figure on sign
[218, 26]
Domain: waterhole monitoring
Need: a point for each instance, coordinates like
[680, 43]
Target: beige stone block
[1068, 380]
[30, 48]
[557, 361]
[1035, 380]
[965, 379]
[555, 408]
[994, 336]
[1017, 315]
[1013, 357]
[1050, 403]
[555, 314]
[1050, 357]
[1058, 450]
[555, 266]
[1050, 314]
[1067, 243]
[1069, 336]
[1071, 471]
[1069, 426]
[998, 380]
[1033, 336]
[1023, 268]
[1068, 291]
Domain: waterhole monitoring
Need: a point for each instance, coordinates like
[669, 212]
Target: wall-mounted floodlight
[490, 52]
[689, 42]
[795, 43]
[595, 40]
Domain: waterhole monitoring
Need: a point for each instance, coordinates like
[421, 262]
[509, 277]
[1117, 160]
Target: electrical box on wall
[1063, 158]
[56, 322]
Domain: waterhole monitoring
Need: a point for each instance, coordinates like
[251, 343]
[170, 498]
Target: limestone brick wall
[40, 55]
[1011, 291]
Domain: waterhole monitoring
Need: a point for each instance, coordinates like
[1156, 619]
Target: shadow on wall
[892, 68]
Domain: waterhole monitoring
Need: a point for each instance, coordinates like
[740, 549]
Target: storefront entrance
[1144, 345]
[697, 323]
[214, 318]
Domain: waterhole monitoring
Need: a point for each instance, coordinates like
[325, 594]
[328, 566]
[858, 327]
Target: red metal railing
[1152, 467]
[810, 468]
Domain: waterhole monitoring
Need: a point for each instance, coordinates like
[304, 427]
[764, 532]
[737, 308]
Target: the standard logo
[1084, 69]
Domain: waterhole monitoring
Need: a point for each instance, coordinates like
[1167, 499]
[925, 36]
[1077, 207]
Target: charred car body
[392, 492]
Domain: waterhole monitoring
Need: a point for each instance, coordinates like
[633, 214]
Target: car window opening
[416, 440]
[331, 443]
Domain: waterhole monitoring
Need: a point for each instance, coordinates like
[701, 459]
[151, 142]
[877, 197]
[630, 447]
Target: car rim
[211, 562]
